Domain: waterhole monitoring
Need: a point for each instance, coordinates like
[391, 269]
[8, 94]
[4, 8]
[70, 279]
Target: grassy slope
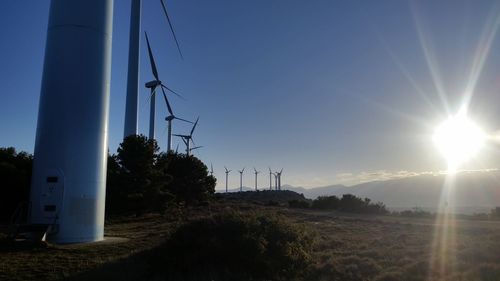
[348, 247]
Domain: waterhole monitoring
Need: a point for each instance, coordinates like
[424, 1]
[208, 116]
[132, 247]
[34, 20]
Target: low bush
[416, 213]
[349, 203]
[235, 247]
[300, 204]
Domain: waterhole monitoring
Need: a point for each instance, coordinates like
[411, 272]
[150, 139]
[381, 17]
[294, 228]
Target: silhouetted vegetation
[236, 247]
[416, 213]
[349, 203]
[263, 197]
[495, 213]
[301, 204]
[15, 179]
[140, 179]
[191, 183]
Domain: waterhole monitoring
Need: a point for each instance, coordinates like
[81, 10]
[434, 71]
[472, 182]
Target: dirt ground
[347, 247]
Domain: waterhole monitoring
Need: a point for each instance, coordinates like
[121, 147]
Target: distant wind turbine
[169, 120]
[270, 179]
[227, 173]
[275, 180]
[211, 170]
[256, 173]
[194, 148]
[241, 178]
[188, 139]
[279, 178]
[152, 85]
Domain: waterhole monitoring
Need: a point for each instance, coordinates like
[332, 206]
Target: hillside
[472, 191]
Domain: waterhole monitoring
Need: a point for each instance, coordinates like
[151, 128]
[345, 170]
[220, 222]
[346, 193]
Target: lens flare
[458, 139]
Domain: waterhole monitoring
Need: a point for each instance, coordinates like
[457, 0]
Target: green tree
[15, 178]
[137, 156]
[135, 184]
[191, 182]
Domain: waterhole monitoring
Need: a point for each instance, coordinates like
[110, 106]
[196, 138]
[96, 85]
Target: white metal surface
[69, 170]
[131, 106]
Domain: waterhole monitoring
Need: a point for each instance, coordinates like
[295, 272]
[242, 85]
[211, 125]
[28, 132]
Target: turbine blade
[194, 126]
[151, 58]
[183, 120]
[171, 28]
[166, 101]
[172, 91]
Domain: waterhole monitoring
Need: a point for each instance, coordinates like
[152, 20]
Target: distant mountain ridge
[478, 189]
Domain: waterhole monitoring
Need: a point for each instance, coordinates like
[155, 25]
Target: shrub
[326, 203]
[235, 247]
[301, 204]
[416, 212]
[349, 203]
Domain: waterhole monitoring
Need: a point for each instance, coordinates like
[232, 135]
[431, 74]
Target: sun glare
[458, 139]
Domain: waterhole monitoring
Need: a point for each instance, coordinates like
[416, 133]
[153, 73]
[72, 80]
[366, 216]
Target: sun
[458, 139]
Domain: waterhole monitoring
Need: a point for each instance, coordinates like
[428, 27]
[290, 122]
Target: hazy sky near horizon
[331, 91]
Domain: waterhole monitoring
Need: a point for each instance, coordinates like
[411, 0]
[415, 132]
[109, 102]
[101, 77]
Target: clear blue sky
[331, 91]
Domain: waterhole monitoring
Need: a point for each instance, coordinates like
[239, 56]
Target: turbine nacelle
[153, 84]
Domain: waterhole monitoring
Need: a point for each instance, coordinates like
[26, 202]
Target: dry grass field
[347, 247]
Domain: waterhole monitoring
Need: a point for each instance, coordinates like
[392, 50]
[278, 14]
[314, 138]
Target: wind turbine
[275, 180]
[211, 170]
[194, 148]
[256, 172]
[279, 178]
[241, 178]
[187, 139]
[153, 85]
[68, 189]
[131, 106]
[227, 173]
[270, 179]
[169, 120]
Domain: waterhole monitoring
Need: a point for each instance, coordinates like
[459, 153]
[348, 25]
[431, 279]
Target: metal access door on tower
[52, 195]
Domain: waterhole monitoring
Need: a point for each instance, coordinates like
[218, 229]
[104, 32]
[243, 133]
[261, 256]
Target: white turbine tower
[270, 179]
[211, 170]
[131, 106]
[241, 178]
[69, 170]
[227, 173]
[256, 173]
[279, 178]
[275, 180]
